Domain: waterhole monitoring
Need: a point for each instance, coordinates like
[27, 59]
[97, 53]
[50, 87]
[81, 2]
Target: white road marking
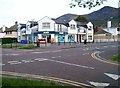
[40, 59]
[56, 51]
[53, 57]
[85, 53]
[113, 76]
[14, 62]
[27, 61]
[71, 64]
[2, 64]
[97, 48]
[101, 85]
[11, 54]
[105, 46]
[114, 46]
[59, 56]
[48, 51]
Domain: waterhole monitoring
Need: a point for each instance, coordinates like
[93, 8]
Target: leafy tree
[81, 19]
[86, 3]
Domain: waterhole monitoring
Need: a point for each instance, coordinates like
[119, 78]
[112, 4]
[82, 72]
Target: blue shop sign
[51, 32]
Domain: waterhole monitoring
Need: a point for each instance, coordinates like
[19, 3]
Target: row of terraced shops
[50, 30]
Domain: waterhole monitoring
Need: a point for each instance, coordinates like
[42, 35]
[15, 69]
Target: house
[2, 33]
[21, 32]
[11, 32]
[50, 29]
[27, 32]
[78, 31]
[104, 36]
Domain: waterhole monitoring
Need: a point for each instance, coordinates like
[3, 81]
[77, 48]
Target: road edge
[60, 80]
[95, 56]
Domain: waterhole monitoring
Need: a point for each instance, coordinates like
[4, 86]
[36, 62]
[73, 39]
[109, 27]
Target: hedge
[8, 40]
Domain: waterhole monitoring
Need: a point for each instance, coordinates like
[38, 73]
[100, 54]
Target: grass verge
[22, 47]
[28, 47]
[23, 83]
[116, 58]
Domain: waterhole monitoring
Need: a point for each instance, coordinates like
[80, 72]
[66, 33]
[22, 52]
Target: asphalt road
[73, 64]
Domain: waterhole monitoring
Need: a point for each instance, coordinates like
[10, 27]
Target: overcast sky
[24, 10]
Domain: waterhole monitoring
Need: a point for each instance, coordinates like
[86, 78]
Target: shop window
[83, 37]
[71, 38]
[46, 25]
[89, 37]
[118, 29]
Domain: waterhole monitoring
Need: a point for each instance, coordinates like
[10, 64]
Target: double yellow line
[69, 82]
[105, 61]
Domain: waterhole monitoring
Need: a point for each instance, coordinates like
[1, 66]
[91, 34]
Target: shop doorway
[47, 37]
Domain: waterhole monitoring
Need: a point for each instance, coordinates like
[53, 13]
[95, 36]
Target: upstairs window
[46, 25]
[59, 27]
[72, 26]
[118, 29]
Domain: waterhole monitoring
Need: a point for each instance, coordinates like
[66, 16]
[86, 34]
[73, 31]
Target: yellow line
[105, 61]
[73, 83]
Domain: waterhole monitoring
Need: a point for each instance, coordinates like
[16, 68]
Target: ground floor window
[71, 38]
[90, 37]
[61, 38]
[83, 37]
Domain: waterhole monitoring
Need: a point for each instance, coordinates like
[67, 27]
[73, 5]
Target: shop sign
[61, 33]
[46, 32]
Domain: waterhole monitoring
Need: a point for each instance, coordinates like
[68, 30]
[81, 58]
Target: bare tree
[86, 3]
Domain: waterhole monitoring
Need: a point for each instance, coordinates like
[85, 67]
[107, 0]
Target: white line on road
[97, 48]
[48, 51]
[105, 46]
[27, 61]
[40, 59]
[85, 53]
[98, 84]
[71, 64]
[11, 54]
[113, 76]
[53, 57]
[2, 64]
[14, 62]
[59, 56]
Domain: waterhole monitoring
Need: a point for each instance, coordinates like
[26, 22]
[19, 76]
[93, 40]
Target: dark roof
[1, 30]
[66, 23]
[12, 28]
[23, 26]
[33, 23]
[102, 32]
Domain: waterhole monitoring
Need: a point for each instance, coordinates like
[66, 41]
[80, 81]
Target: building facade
[55, 31]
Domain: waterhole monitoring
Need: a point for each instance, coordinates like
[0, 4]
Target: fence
[112, 38]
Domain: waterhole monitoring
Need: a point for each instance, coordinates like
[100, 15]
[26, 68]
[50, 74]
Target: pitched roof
[12, 28]
[23, 26]
[102, 32]
[1, 30]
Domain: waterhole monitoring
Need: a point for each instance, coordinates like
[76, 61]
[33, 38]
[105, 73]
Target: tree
[86, 3]
[81, 19]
